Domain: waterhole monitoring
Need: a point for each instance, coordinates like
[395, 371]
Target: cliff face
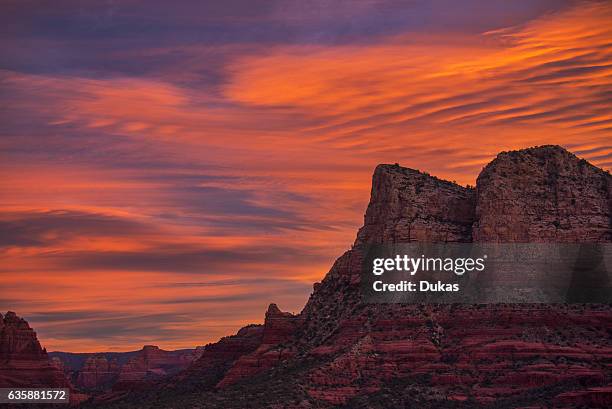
[278, 327]
[482, 353]
[543, 195]
[407, 205]
[217, 359]
[98, 373]
[152, 363]
[340, 351]
[251, 351]
[22, 360]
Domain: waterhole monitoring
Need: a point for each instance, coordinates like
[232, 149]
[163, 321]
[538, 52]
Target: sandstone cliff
[542, 195]
[23, 362]
[481, 353]
[217, 358]
[407, 205]
[340, 351]
[98, 373]
[278, 327]
[152, 363]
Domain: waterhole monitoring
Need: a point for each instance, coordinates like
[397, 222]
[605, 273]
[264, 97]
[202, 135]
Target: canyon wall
[23, 362]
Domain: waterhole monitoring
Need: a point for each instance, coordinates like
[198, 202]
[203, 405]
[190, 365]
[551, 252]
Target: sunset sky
[168, 169]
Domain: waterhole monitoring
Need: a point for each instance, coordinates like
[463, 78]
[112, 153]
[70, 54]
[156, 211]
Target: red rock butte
[23, 362]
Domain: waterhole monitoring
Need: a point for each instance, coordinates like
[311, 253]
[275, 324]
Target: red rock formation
[217, 358]
[98, 373]
[590, 398]
[407, 205]
[486, 352]
[544, 194]
[152, 363]
[22, 360]
[493, 351]
[56, 362]
[278, 327]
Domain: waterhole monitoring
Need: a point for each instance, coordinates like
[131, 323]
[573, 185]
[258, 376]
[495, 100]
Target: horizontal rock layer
[23, 362]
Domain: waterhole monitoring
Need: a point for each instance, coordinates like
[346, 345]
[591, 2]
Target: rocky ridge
[545, 194]
[486, 353]
[23, 362]
[98, 373]
[152, 363]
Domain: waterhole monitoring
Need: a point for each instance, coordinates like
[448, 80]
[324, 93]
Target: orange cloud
[542, 82]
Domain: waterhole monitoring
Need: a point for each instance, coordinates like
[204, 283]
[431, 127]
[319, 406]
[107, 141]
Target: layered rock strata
[23, 362]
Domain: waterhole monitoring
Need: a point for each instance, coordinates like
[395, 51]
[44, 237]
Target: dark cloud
[215, 200]
[44, 228]
[223, 283]
[110, 327]
[569, 73]
[170, 326]
[257, 20]
[106, 38]
[61, 316]
[229, 299]
[182, 259]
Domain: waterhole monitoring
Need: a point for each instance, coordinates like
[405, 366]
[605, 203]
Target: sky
[168, 169]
